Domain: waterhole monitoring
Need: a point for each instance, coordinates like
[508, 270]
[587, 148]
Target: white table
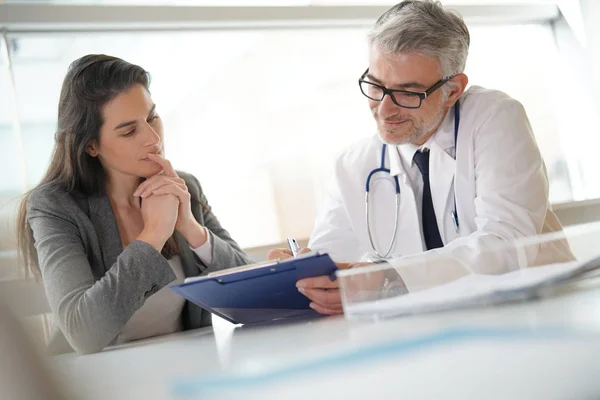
[547, 349]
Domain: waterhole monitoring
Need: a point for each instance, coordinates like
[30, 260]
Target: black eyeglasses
[401, 98]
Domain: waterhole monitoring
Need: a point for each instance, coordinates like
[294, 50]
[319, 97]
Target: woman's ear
[91, 149]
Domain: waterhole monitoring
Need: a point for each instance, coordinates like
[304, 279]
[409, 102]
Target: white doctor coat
[498, 177]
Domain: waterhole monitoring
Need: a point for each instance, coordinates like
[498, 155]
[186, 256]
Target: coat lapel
[105, 224]
[103, 219]
[441, 175]
[409, 239]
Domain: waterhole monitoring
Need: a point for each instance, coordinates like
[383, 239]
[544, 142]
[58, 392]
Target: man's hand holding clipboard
[323, 291]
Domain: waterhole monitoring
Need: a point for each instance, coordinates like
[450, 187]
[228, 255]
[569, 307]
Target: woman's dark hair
[91, 82]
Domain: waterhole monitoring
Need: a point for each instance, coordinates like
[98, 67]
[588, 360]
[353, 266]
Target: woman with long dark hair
[112, 223]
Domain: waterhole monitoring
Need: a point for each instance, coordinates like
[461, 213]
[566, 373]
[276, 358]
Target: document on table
[477, 290]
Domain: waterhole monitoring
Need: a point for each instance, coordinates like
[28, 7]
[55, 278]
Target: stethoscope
[382, 168]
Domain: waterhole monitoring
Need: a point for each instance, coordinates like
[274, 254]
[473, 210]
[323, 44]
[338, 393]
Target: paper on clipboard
[248, 267]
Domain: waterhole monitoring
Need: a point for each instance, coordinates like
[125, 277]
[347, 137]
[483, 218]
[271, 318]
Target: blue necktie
[431, 232]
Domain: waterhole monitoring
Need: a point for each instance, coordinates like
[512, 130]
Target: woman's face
[131, 130]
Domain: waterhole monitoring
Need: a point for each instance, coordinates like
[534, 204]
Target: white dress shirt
[406, 153]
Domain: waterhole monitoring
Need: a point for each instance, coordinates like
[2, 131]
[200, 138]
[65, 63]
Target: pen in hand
[293, 245]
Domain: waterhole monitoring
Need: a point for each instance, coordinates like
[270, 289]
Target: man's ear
[92, 149]
[457, 85]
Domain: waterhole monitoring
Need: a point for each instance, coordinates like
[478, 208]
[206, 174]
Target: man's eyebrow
[127, 123]
[407, 85]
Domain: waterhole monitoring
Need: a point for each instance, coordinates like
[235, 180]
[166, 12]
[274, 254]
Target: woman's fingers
[157, 181]
[182, 195]
[151, 189]
[164, 163]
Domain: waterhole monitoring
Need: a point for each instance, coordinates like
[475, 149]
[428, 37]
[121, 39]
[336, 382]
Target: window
[251, 114]
[10, 177]
[259, 115]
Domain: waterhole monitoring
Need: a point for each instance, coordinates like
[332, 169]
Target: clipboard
[259, 292]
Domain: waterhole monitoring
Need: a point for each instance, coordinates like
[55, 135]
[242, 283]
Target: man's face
[411, 72]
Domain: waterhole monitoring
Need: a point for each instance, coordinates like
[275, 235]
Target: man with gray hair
[450, 169]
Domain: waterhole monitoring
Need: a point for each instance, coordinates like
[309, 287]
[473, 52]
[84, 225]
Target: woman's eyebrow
[124, 124]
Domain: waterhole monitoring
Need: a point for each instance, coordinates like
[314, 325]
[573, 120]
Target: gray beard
[420, 131]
